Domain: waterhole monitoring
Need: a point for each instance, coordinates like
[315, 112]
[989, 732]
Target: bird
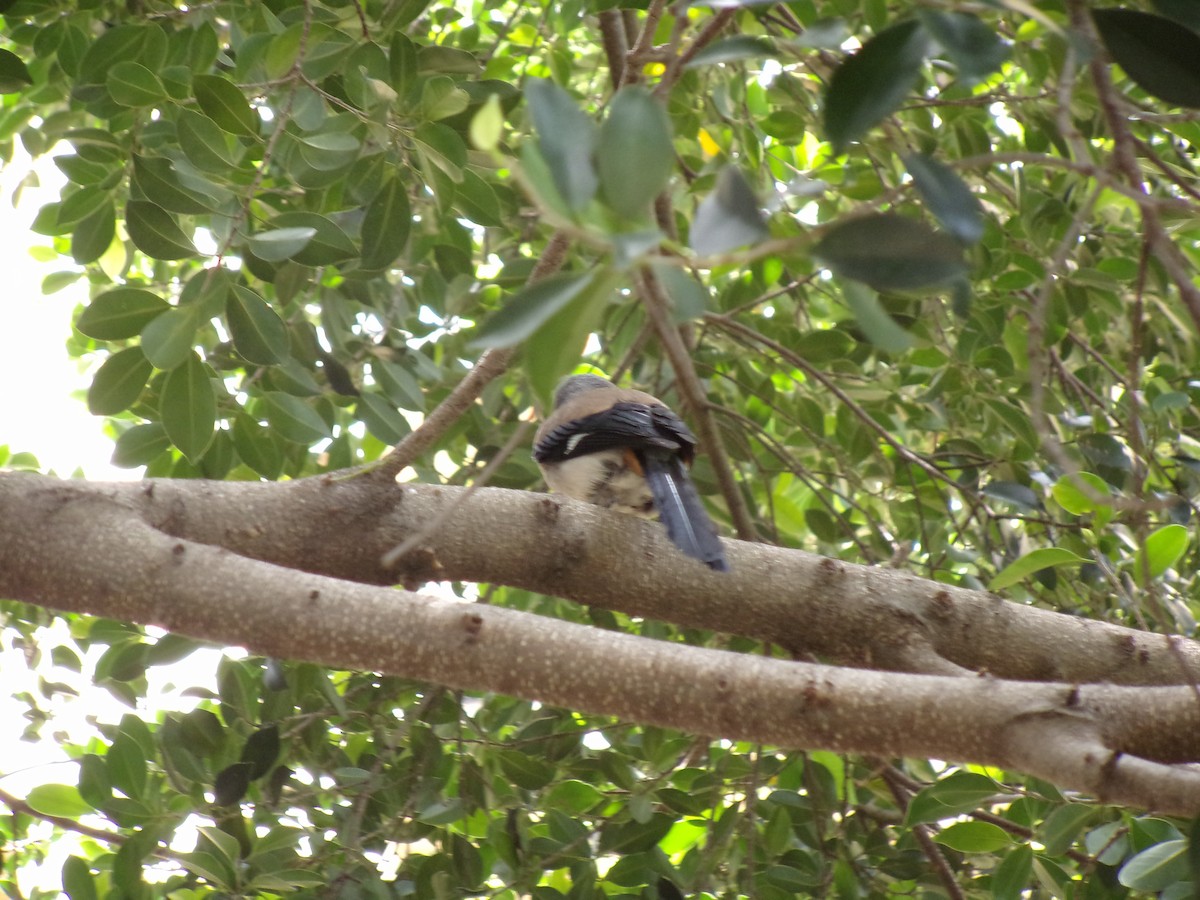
[626, 450]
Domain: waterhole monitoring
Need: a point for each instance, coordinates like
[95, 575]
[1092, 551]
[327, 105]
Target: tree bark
[291, 570]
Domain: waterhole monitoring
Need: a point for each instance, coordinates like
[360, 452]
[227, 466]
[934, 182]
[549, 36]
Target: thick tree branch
[878, 617]
[91, 551]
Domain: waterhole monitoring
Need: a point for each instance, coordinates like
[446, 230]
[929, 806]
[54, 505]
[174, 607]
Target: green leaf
[1061, 828]
[126, 765]
[169, 338]
[93, 235]
[61, 800]
[441, 146]
[258, 333]
[732, 49]
[381, 418]
[487, 125]
[1013, 492]
[77, 879]
[256, 447]
[120, 313]
[279, 244]
[261, 750]
[974, 47]
[386, 225]
[634, 153]
[189, 407]
[477, 200]
[224, 103]
[14, 75]
[155, 232]
[953, 795]
[1034, 561]
[1163, 548]
[1186, 12]
[891, 253]
[132, 84]
[871, 84]
[118, 383]
[974, 837]
[877, 326]
[1161, 58]
[293, 419]
[1012, 875]
[1156, 867]
[528, 309]
[729, 217]
[156, 180]
[139, 445]
[947, 197]
[329, 245]
[556, 347]
[1081, 493]
[203, 142]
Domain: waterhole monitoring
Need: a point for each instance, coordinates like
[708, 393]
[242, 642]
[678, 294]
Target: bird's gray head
[575, 385]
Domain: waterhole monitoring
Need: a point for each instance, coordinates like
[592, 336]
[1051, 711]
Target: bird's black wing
[635, 426]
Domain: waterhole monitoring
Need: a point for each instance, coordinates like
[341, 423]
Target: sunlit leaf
[1033, 561]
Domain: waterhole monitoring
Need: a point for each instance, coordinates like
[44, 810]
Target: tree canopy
[922, 279]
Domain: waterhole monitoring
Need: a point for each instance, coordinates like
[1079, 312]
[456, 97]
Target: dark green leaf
[261, 750]
[634, 153]
[556, 347]
[1186, 12]
[258, 333]
[231, 784]
[974, 48]
[566, 138]
[891, 253]
[155, 232]
[871, 85]
[14, 76]
[120, 313]
[729, 217]
[1013, 874]
[189, 407]
[947, 197]
[1162, 57]
[386, 225]
[224, 103]
[118, 382]
[529, 308]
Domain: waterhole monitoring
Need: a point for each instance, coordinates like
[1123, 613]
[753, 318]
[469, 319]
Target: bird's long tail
[681, 511]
